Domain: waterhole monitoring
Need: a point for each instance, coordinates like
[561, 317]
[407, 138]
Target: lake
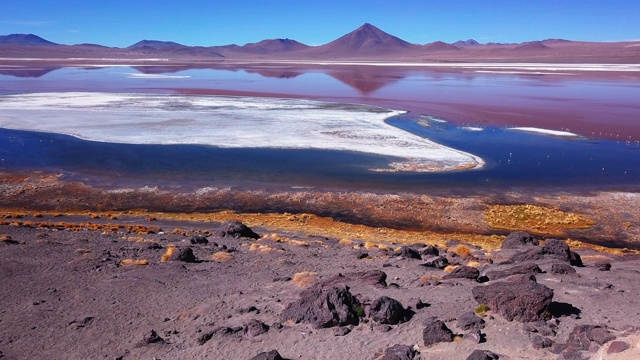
[478, 107]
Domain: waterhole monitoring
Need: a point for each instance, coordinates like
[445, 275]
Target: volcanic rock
[438, 262]
[236, 229]
[429, 250]
[386, 310]
[483, 355]
[583, 338]
[470, 321]
[399, 352]
[540, 342]
[341, 331]
[435, 331]
[526, 268]
[268, 355]
[617, 347]
[562, 269]
[199, 240]
[521, 301]
[324, 307]
[153, 338]
[463, 272]
[406, 252]
[255, 327]
[185, 255]
[475, 336]
[519, 239]
[552, 248]
[575, 259]
[603, 266]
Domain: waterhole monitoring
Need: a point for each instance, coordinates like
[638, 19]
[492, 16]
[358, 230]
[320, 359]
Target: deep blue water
[515, 160]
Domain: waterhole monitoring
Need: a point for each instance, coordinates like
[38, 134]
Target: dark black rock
[202, 339]
[463, 272]
[324, 307]
[362, 255]
[419, 304]
[236, 229]
[526, 268]
[575, 259]
[153, 338]
[521, 301]
[562, 269]
[386, 310]
[248, 309]
[438, 262]
[435, 331]
[186, 255]
[483, 355]
[407, 252]
[199, 240]
[603, 266]
[399, 352]
[268, 355]
[470, 321]
[429, 250]
[154, 246]
[519, 239]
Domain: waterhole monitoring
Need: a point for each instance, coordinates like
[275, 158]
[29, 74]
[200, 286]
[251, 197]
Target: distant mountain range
[365, 43]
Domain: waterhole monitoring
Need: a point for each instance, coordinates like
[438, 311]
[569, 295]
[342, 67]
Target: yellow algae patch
[261, 248]
[450, 268]
[474, 264]
[535, 219]
[222, 256]
[613, 251]
[134, 262]
[167, 255]
[305, 278]
[461, 250]
[429, 277]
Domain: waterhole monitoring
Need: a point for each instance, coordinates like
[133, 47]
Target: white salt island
[230, 122]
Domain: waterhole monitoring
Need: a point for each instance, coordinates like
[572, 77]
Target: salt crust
[545, 131]
[230, 122]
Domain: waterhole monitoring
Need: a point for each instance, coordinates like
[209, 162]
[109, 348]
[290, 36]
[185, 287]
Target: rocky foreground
[225, 291]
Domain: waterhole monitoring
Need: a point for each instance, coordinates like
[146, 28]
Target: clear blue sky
[219, 22]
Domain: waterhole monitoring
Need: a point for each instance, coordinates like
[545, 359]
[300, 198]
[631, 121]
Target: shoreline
[615, 214]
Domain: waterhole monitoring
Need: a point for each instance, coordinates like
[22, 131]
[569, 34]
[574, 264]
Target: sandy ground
[68, 294]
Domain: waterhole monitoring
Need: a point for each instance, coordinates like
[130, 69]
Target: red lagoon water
[593, 105]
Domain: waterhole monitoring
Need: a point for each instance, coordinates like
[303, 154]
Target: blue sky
[219, 22]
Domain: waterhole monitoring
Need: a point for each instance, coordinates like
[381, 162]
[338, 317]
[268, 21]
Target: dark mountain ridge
[25, 39]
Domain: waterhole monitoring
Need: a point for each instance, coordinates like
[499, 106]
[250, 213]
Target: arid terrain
[101, 273]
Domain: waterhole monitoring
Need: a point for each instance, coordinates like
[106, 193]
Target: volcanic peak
[24, 39]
